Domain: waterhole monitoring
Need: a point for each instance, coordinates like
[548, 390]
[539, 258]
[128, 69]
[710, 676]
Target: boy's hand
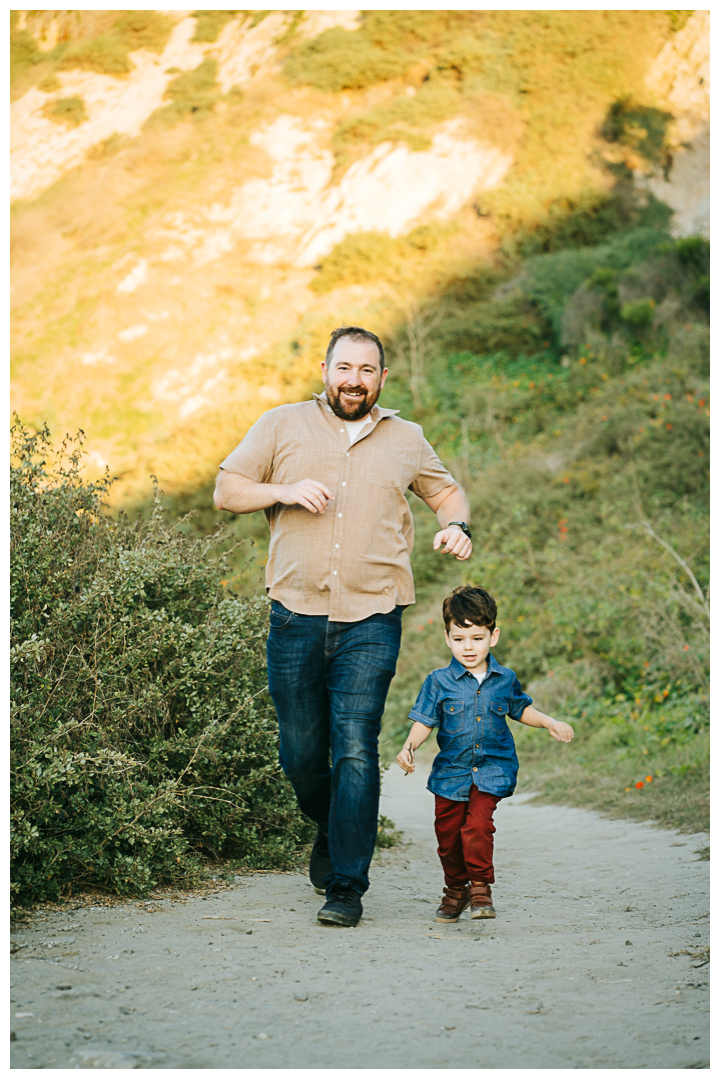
[560, 731]
[406, 760]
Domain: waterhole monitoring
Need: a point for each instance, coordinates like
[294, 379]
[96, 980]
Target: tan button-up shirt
[354, 560]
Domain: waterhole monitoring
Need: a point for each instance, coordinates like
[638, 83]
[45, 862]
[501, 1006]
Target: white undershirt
[354, 427]
[480, 676]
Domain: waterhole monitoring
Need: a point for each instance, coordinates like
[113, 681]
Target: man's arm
[241, 495]
[450, 504]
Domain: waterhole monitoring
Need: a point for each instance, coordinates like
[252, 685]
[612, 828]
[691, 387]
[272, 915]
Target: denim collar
[458, 670]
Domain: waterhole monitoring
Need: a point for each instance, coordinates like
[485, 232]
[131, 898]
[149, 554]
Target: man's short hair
[470, 605]
[355, 333]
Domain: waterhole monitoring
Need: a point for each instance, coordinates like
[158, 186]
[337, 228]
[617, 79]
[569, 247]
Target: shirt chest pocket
[453, 717]
[498, 714]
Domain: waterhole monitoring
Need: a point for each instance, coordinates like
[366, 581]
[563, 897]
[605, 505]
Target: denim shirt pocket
[453, 717]
[498, 711]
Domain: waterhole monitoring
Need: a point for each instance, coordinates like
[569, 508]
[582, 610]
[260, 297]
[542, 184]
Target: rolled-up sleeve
[519, 700]
[253, 456]
[432, 476]
[426, 709]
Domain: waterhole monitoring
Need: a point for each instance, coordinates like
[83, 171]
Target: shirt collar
[457, 669]
[376, 413]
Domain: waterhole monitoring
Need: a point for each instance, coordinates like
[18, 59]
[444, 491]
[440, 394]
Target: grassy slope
[564, 447]
[563, 464]
[545, 105]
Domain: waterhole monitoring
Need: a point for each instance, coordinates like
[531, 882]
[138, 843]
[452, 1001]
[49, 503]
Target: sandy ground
[597, 960]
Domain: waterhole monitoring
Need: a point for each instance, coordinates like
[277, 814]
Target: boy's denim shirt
[476, 745]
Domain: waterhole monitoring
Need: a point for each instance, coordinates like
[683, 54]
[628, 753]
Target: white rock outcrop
[42, 151]
[297, 215]
[679, 80]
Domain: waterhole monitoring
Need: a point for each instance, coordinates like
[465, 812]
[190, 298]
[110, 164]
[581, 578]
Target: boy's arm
[533, 718]
[418, 734]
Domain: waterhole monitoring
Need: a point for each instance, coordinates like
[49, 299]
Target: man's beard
[365, 401]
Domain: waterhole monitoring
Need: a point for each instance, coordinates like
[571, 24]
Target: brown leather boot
[481, 905]
[453, 903]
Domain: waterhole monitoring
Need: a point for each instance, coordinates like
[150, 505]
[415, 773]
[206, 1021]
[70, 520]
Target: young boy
[467, 702]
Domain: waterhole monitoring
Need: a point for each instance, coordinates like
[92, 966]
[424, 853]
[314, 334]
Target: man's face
[471, 644]
[353, 379]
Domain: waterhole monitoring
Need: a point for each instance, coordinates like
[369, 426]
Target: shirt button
[343, 484]
[477, 745]
[477, 717]
[340, 515]
[335, 573]
[347, 454]
[474, 768]
[337, 545]
[342, 430]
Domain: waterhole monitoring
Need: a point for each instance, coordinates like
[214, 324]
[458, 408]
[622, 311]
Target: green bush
[210, 23]
[143, 30]
[193, 93]
[24, 52]
[69, 110]
[360, 257]
[143, 737]
[106, 54]
[343, 60]
[403, 120]
[639, 313]
[638, 127]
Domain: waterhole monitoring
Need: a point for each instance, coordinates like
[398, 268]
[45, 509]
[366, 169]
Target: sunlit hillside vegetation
[551, 336]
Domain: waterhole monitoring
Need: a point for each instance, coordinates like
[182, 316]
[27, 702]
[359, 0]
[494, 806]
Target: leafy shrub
[142, 733]
[192, 93]
[106, 54]
[143, 30]
[588, 219]
[24, 52]
[403, 120]
[210, 23]
[639, 313]
[341, 59]
[640, 128]
[69, 110]
[360, 257]
[694, 251]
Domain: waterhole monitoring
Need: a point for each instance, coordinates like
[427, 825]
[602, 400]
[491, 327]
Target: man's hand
[455, 541]
[311, 494]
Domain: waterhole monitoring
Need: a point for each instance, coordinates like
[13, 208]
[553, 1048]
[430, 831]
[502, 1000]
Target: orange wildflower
[639, 784]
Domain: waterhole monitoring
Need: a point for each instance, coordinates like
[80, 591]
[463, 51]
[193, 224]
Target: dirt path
[596, 960]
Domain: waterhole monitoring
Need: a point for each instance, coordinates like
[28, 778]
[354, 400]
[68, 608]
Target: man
[331, 475]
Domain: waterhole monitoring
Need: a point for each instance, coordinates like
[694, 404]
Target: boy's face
[471, 644]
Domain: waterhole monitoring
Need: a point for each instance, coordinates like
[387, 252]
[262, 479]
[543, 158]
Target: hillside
[517, 201]
[176, 181]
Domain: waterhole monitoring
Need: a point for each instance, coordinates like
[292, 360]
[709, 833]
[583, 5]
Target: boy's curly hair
[470, 605]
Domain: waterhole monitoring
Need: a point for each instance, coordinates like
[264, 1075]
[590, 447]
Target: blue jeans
[329, 681]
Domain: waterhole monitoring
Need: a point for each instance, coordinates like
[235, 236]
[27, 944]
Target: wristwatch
[462, 525]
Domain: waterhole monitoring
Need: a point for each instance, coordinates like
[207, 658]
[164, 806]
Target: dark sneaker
[453, 904]
[481, 905]
[342, 908]
[320, 864]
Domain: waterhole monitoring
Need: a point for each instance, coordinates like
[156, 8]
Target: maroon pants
[465, 837]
